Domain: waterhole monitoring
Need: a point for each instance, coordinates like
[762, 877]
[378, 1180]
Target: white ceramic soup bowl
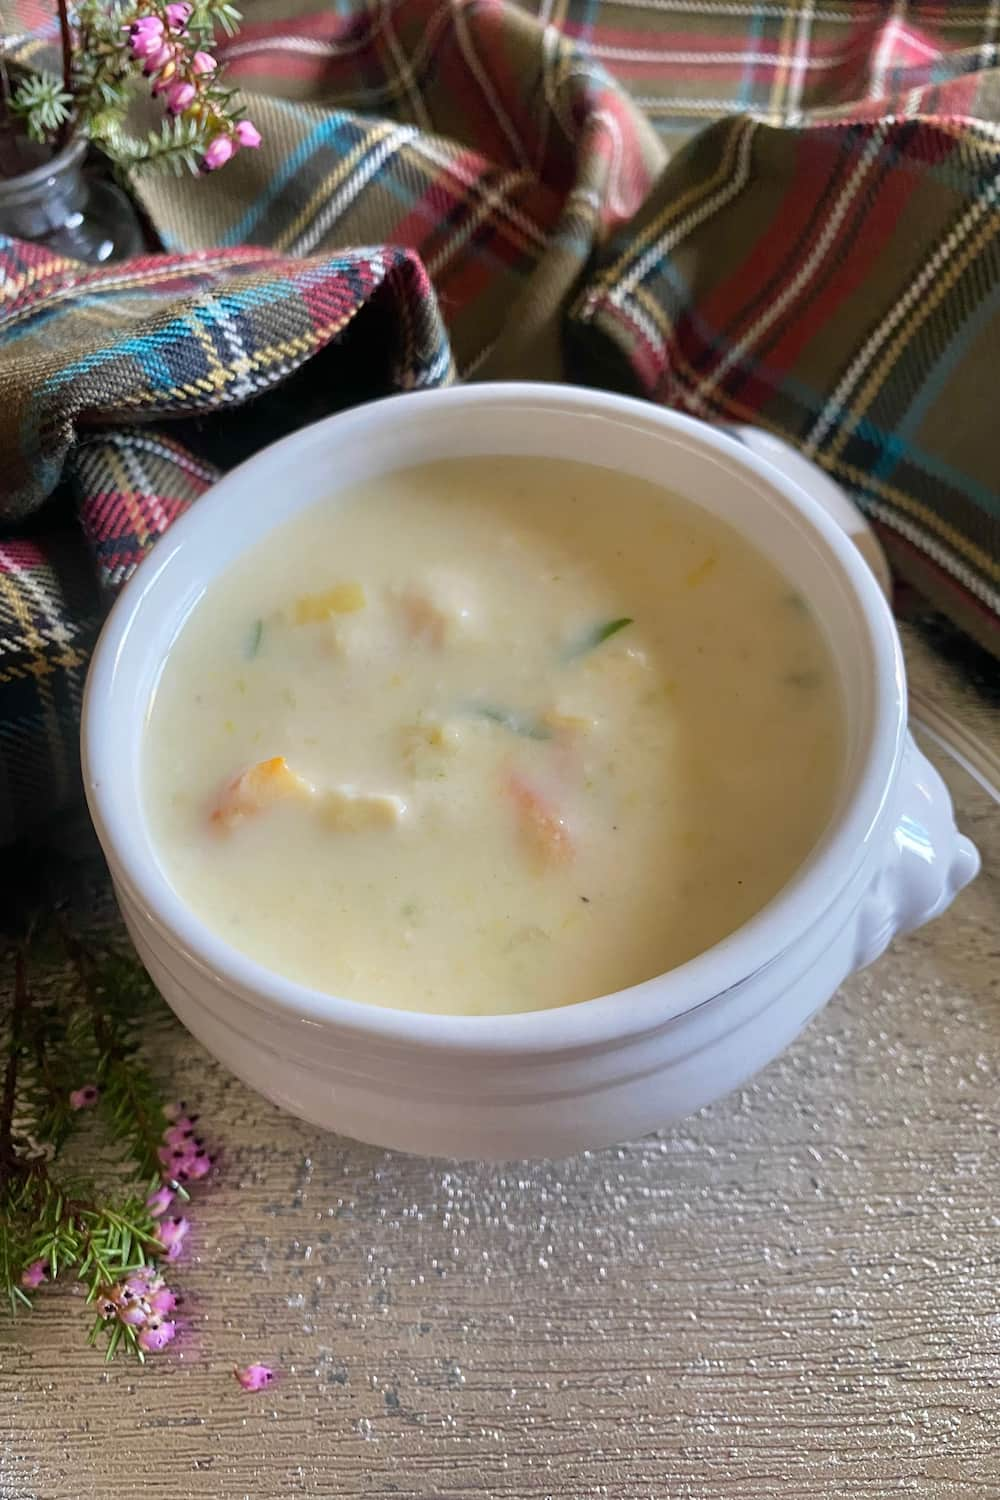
[549, 1082]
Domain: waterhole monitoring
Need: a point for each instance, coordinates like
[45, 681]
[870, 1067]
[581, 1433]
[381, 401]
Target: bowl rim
[605, 1021]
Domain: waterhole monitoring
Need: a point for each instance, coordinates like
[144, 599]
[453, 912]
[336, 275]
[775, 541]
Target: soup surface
[491, 735]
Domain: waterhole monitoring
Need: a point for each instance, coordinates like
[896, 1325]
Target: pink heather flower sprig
[119, 1233]
[102, 48]
[143, 1303]
[183, 1155]
[140, 1307]
[185, 76]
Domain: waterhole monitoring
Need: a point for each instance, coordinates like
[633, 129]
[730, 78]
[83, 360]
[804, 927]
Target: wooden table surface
[794, 1294]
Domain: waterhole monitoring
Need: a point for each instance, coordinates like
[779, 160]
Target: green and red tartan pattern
[782, 213]
[84, 355]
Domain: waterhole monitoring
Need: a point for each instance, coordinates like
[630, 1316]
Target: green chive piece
[530, 729]
[596, 637]
[256, 636]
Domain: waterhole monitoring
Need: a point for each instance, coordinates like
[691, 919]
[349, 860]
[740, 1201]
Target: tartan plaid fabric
[781, 213]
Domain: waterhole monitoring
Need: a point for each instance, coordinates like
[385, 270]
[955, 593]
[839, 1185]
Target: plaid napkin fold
[785, 214]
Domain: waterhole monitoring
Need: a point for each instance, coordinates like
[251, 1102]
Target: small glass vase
[61, 203]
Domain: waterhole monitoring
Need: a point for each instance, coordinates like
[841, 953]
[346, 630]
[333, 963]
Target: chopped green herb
[256, 636]
[596, 637]
[796, 601]
[531, 729]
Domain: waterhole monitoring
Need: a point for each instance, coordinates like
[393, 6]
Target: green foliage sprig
[44, 106]
[109, 52]
[62, 1056]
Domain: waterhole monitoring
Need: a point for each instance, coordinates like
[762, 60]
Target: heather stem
[110, 1048]
[8, 1157]
[66, 36]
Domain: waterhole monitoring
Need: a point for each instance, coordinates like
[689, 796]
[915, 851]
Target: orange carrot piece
[257, 787]
[540, 822]
[424, 622]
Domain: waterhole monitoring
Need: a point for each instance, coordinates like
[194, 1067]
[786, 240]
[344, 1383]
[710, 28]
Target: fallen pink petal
[254, 1377]
[84, 1097]
[32, 1276]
